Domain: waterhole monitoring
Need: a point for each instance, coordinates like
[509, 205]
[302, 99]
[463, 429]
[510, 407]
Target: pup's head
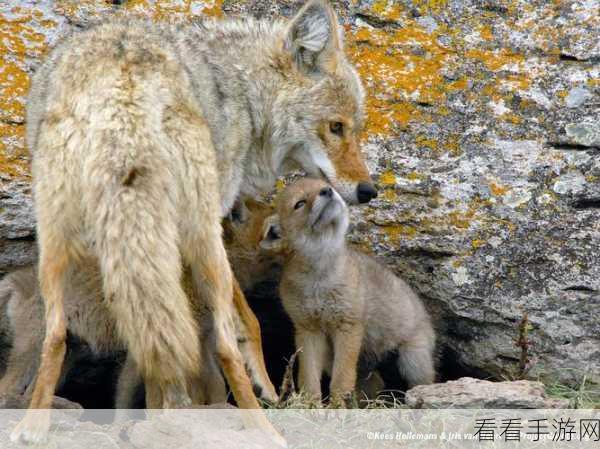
[252, 240]
[318, 112]
[312, 216]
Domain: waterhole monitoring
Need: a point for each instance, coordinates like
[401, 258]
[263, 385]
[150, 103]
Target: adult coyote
[143, 136]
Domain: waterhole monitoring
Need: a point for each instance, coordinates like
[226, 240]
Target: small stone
[475, 393]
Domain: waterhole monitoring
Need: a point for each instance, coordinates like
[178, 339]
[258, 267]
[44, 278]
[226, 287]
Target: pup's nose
[326, 191]
[365, 192]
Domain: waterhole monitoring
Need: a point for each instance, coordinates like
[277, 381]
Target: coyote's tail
[137, 240]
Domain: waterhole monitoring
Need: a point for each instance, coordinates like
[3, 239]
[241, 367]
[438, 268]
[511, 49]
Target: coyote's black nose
[326, 192]
[365, 192]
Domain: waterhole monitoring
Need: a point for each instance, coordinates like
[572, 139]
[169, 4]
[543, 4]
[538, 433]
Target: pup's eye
[336, 128]
[299, 204]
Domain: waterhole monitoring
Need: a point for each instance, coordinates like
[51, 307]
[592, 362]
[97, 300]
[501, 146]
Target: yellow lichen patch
[452, 146]
[424, 141]
[387, 178]
[215, 10]
[495, 60]
[414, 176]
[389, 195]
[477, 243]
[14, 160]
[430, 6]
[396, 232]
[517, 81]
[511, 118]
[387, 9]
[460, 220]
[397, 76]
[497, 189]
[485, 31]
[19, 41]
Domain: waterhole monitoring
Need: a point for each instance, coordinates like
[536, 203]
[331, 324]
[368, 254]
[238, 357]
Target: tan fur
[143, 136]
[89, 319]
[343, 304]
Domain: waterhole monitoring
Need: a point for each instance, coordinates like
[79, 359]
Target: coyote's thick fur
[342, 302]
[142, 137]
[22, 310]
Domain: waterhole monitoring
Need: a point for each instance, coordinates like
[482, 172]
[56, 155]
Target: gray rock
[482, 394]
[586, 134]
[14, 401]
[577, 96]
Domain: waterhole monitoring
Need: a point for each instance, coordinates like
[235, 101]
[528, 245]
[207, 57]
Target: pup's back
[395, 313]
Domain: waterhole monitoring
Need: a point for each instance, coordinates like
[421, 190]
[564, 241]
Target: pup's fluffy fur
[343, 303]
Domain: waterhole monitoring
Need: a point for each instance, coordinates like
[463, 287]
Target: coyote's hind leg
[54, 265]
[213, 282]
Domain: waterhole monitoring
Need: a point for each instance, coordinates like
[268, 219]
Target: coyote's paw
[33, 428]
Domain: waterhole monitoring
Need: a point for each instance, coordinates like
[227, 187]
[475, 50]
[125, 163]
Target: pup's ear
[313, 38]
[271, 234]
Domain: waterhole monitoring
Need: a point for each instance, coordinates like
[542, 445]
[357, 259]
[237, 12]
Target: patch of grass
[586, 395]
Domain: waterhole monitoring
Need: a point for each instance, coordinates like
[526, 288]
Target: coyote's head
[318, 112]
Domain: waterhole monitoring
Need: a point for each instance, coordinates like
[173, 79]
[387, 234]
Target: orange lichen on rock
[19, 41]
[387, 9]
[497, 189]
[495, 60]
[400, 68]
[387, 178]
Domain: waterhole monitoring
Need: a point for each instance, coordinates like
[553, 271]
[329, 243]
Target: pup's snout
[365, 192]
[327, 192]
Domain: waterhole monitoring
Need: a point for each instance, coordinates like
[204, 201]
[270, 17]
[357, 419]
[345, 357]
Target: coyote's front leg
[346, 350]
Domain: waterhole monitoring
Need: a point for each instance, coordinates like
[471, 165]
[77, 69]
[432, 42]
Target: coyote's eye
[336, 128]
[299, 204]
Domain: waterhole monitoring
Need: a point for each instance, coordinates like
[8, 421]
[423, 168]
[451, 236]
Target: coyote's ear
[313, 37]
[271, 234]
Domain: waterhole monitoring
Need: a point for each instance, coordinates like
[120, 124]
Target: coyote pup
[142, 137]
[342, 300]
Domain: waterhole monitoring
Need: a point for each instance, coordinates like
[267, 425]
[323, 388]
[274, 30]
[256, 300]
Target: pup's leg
[346, 349]
[213, 281]
[415, 363]
[25, 310]
[368, 387]
[211, 388]
[251, 345]
[313, 360]
[53, 268]
[129, 380]
[22, 363]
